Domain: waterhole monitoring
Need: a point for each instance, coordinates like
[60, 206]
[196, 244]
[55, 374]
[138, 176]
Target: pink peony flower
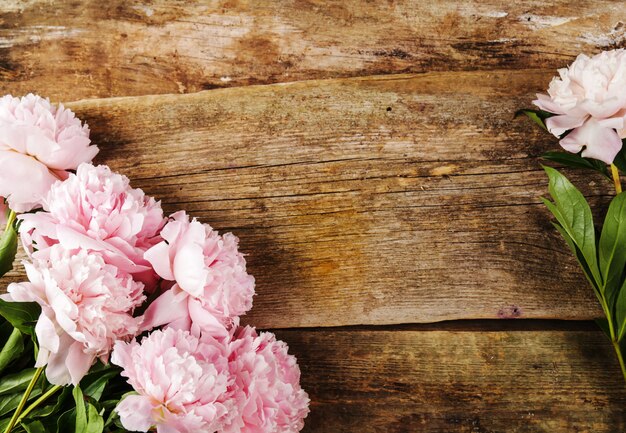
[212, 287]
[589, 98]
[97, 210]
[39, 142]
[267, 385]
[86, 305]
[181, 383]
[186, 384]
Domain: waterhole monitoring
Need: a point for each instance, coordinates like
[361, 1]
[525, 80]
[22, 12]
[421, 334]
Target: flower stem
[22, 403]
[10, 220]
[616, 181]
[40, 400]
[620, 357]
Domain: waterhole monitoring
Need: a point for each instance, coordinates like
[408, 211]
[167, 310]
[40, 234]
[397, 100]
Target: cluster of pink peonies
[197, 383]
[100, 251]
[589, 105]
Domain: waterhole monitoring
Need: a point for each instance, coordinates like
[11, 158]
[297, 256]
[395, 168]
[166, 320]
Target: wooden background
[366, 154]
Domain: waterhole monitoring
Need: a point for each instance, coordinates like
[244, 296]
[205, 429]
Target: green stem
[22, 403]
[620, 357]
[615, 338]
[40, 400]
[10, 220]
[616, 181]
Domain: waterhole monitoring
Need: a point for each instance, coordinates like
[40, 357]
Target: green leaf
[66, 421]
[50, 409]
[603, 324]
[620, 158]
[8, 249]
[17, 382]
[537, 116]
[81, 413]
[612, 248]
[9, 402]
[95, 422]
[34, 427]
[22, 315]
[579, 257]
[620, 312]
[96, 384]
[577, 161]
[12, 349]
[573, 214]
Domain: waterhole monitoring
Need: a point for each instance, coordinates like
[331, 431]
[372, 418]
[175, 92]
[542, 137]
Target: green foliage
[65, 409]
[576, 161]
[573, 214]
[604, 263]
[12, 349]
[22, 315]
[17, 382]
[87, 419]
[612, 248]
[8, 248]
[96, 382]
[34, 427]
[537, 116]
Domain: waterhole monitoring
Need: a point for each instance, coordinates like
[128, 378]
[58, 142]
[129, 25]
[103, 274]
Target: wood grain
[375, 200]
[71, 50]
[441, 381]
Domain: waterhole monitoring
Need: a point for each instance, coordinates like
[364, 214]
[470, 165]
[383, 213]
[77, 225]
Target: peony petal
[558, 125]
[78, 362]
[136, 413]
[47, 333]
[24, 181]
[168, 307]
[159, 257]
[545, 103]
[189, 269]
[205, 320]
[56, 370]
[599, 142]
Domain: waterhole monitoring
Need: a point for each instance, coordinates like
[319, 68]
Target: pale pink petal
[136, 413]
[598, 142]
[47, 334]
[205, 320]
[78, 362]
[56, 368]
[190, 270]
[545, 103]
[558, 125]
[168, 307]
[159, 258]
[24, 181]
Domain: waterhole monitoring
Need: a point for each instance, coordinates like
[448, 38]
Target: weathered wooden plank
[441, 381]
[172, 46]
[363, 201]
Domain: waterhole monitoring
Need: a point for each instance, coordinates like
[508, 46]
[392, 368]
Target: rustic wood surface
[420, 381]
[389, 186]
[376, 200]
[72, 50]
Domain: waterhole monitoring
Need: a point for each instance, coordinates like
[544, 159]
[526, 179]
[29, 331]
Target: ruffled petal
[136, 413]
[598, 142]
[168, 307]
